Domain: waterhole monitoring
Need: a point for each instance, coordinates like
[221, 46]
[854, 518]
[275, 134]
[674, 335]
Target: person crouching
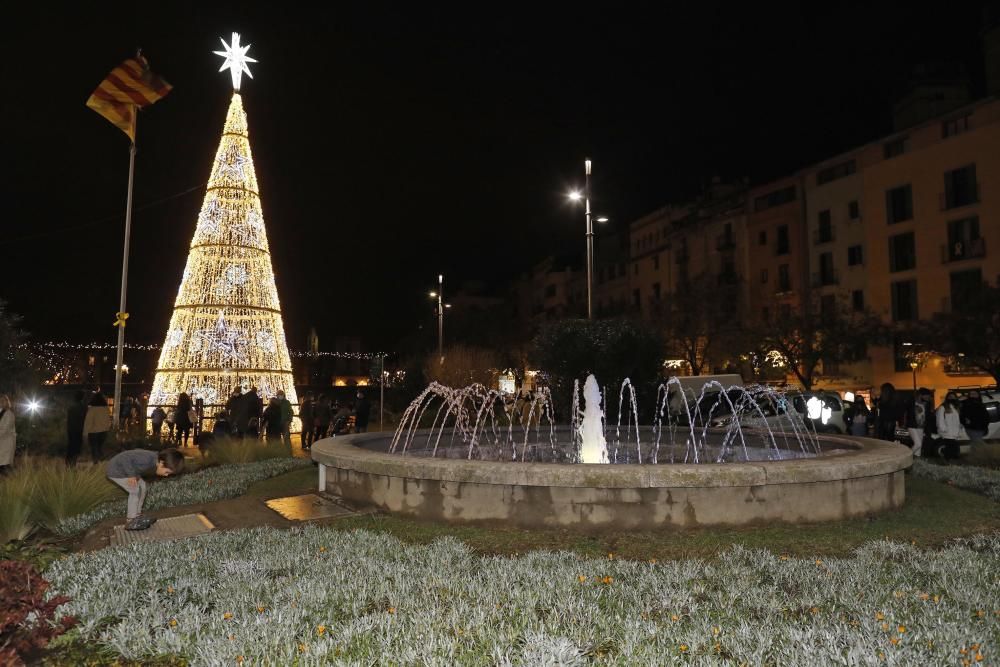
[127, 469]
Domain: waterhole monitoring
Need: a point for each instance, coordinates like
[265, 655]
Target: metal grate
[170, 528]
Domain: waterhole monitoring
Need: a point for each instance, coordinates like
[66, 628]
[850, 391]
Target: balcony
[825, 278]
[783, 288]
[962, 250]
[725, 242]
[959, 198]
[821, 236]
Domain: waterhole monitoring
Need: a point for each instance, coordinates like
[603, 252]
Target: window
[825, 232]
[776, 198]
[656, 262]
[656, 291]
[621, 269]
[784, 278]
[783, 244]
[902, 354]
[827, 307]
[904, 301]
[550, 290]
[853, 211]
[965, 287]
[827, 276]
[963, 240]
[899, 204]
[950, 128]
[896, 147]
[762, 238]
[763, 275]
[855, 256]
[960, 187]
[635, 298]
[902, 252]
[765, 313]
[635, 269]
[858, 300]
[836, 171]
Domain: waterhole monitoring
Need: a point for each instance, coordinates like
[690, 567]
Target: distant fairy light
[236, 59]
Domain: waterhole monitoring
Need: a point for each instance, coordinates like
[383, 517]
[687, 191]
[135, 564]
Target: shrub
[228, 450]
[612, 350]
[27, 619]
[15, 508]
[463, 365]
[59, 492]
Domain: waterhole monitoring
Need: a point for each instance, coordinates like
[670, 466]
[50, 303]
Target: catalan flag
[128, 86]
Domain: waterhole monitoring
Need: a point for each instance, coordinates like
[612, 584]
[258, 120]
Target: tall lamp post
[576, 195]
[440, 313]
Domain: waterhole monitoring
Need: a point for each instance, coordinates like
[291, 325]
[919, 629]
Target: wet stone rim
[855, 458]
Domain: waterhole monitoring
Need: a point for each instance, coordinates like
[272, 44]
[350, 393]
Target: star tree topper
[236, 59]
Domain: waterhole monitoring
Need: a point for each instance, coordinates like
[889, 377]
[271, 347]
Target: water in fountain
[718, 425]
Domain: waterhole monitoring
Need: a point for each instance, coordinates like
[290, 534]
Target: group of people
[322, 417]
[934, 432]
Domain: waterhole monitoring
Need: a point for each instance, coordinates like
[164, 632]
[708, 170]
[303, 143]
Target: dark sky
[394, 144]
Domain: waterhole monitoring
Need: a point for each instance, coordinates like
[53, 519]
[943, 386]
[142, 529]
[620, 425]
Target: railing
[825, 278]
[965, 249]
[948, 202]
[821, 236]
[782, 289]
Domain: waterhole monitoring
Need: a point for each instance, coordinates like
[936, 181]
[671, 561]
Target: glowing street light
[439, 295]
[575, 196]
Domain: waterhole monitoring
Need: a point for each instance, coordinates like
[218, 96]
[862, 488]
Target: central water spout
[593, 448]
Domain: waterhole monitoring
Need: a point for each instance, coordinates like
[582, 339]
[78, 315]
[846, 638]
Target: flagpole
[121, 306]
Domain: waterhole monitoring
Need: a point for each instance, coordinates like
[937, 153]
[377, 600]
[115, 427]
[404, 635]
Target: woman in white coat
[8, 434]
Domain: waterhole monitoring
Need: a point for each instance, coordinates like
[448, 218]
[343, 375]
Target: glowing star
[236, 59]
[236, 275]
[232, 164]
[207, 394]
[265, 339]
[174, 337]
[224, 338]
[210, 218]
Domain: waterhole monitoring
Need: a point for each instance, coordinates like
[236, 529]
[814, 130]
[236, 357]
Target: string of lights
[39, 347]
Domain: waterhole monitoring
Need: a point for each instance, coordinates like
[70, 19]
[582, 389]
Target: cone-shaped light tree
[226, 328]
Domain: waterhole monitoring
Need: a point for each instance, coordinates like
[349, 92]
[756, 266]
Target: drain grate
[170, 528]
[308, 507]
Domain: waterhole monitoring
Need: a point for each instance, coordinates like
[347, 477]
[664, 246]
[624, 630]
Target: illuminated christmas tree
[226, 328]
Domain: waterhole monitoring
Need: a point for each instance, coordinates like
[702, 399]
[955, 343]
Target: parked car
[819, 410]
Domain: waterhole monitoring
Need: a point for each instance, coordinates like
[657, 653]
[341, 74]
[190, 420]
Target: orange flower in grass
[320, 629]
[582, 579]
[683, 648]
[227, 616]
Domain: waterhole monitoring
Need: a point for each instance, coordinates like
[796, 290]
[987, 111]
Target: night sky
[394, 144]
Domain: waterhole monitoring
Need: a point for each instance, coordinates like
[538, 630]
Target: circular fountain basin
[851, 477]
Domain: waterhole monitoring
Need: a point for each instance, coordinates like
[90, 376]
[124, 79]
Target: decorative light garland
[174, 338]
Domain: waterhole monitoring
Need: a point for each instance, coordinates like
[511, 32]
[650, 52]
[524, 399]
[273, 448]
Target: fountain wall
[851, 477]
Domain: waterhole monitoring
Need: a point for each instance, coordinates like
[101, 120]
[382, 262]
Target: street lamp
[440, 314]
[914, 365]
[576, 195]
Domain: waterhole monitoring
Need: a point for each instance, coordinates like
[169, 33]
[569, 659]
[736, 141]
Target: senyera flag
[128, 86]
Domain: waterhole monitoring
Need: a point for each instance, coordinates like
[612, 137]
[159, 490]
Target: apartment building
[777, 268]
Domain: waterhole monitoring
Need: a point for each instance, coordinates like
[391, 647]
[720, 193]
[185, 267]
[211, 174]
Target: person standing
[322, 415]
[239, 414]
[76, 414]
[973, 416]
[361, 411]
[286, 418]
[255, 408]
[306, 416]
[859, 418]
[919, 420]
[888, 413]
[8, 434]
[182, 418]
[273, 420]
[171, 423]
[157, 419]
[949, 427]
[96, 425]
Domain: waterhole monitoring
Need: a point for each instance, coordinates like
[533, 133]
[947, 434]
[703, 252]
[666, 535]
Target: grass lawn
[933, 514]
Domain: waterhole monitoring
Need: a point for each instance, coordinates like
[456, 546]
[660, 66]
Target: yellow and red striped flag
[128, 86]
